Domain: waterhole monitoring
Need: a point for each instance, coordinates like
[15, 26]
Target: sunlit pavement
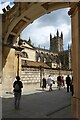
[39, 104]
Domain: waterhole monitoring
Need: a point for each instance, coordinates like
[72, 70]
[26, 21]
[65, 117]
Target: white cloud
[39, 31]
[39, 36]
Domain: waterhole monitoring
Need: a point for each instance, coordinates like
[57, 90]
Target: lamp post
[19, 48]
[18, 65]
[43, 60]
[40, 67]
[18, 53]
[59, 64]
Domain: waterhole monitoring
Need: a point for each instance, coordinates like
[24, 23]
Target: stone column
[8, 69]
[75, 21]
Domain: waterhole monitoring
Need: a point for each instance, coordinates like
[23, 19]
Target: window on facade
[24, 54]
[39, 59]
[45, 60]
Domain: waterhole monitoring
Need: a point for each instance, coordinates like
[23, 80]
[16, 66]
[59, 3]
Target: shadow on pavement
[44, 104]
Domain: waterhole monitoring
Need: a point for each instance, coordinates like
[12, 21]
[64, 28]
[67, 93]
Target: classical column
[75, 21]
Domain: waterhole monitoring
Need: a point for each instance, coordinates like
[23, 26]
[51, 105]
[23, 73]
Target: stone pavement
[39, 104]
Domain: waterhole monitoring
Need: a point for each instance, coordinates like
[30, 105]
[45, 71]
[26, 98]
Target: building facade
[55, 57]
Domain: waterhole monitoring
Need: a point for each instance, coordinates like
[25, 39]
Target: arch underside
[23, 14]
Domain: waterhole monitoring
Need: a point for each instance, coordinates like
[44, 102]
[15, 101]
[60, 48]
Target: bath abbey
[55, 57]
[35, 62]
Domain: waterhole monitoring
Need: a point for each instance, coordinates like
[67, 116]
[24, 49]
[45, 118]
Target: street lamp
[43, 60]
[18, 53]
[40, 67]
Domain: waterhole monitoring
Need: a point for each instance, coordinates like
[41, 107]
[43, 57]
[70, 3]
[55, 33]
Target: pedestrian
[59, 82]
[63, 84]
[43, 83]
[50, 82]
[71, 86]
[17, 85]
[68, 80]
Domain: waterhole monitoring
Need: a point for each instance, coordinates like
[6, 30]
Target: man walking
[68, 81]
[17, 85]
[44, 83]
[59, 80]
[50, 82]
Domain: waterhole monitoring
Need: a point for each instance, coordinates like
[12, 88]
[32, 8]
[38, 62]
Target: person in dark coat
[68, 81]
[44, 83]
[17, 85]
[59, 82]
[63, 83]
[71, 87]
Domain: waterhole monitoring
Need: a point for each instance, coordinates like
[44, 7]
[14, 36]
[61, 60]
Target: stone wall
[32, 77]
[9, 63]
[31, 54]
[32, 74]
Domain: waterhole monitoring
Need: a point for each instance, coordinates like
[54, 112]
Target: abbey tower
[56, 43]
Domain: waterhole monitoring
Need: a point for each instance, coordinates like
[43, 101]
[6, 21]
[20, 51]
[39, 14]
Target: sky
[39, 31]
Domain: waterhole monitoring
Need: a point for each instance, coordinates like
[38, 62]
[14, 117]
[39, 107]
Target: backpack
[16, 88]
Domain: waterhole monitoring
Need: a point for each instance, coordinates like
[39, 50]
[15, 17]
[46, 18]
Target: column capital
[74, 8]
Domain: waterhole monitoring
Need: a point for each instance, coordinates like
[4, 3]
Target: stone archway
[16, 19]
[21, 15]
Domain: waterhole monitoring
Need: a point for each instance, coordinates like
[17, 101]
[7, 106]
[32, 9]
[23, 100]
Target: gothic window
[51, 56]
[36, 56]
[45, 60]
[39, 59]
[48, 59]
[24, 54]
[57, 59]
